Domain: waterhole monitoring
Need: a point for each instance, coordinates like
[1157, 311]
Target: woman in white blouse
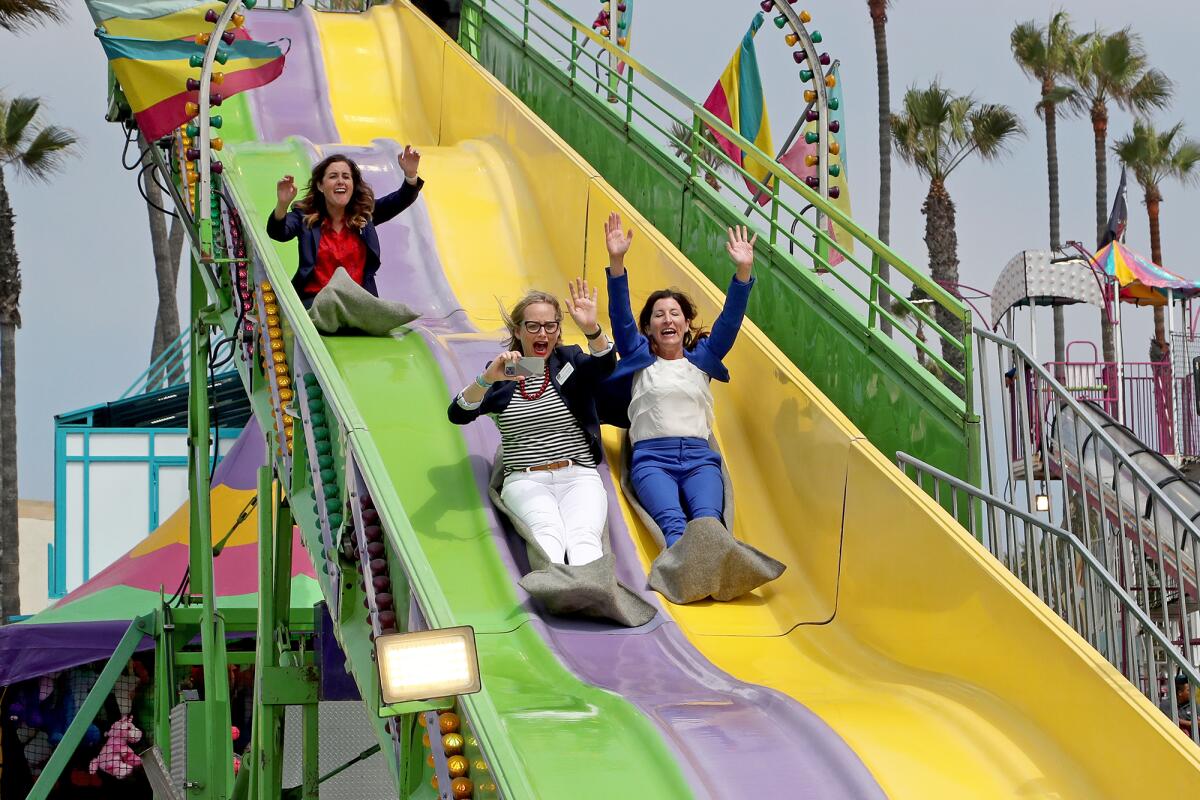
[667, 361]
[549, 429]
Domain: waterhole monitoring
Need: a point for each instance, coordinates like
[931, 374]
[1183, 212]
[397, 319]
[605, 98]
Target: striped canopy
[1142, 282]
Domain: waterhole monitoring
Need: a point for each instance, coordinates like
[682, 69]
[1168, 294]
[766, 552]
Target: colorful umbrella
[1142, 282]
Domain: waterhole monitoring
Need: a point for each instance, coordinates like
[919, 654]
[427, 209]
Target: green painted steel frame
[896, 403]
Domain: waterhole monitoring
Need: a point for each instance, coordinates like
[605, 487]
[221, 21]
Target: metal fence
[1077, 585]
[778, 207]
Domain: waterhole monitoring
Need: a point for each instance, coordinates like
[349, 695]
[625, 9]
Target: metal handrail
[1101, 592]
[170, 368]
[529, 22]
[1108, 499]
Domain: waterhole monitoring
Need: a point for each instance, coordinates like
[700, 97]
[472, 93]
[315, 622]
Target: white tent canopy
[1044, 279]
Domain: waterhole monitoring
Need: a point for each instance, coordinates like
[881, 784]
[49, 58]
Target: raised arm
[620, 313]
[282, 225]
[740, 248]
[390, 205]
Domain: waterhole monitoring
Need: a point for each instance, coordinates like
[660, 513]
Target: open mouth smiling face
[338, 184]
[539, 330]
[667, 324]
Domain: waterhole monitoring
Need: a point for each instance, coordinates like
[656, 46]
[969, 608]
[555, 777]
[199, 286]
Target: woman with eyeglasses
[539, 392]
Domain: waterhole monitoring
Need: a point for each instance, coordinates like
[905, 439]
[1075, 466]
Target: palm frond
[46, 152]
[1155, 156]
[993, 128]
[19, 114]
[1153, 90]
[19, 15]
[938, 130]
[1028, 44]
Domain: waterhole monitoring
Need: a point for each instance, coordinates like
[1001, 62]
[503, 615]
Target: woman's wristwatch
[591, 337]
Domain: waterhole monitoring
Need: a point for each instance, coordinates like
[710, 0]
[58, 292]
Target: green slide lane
[567, 738]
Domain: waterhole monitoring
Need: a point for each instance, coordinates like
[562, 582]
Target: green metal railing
[645, 103]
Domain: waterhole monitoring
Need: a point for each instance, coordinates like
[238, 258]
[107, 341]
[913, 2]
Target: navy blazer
[292, 226]
[578, 391]
[617, 391]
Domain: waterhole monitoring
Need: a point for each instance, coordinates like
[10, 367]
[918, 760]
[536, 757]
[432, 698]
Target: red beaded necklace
[541, 391]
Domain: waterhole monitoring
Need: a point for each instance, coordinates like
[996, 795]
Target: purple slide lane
[733, 739]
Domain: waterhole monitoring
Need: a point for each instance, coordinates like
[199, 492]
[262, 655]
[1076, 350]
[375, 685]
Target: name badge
[565, 373]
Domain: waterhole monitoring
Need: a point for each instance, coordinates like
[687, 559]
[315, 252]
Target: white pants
[564, 508]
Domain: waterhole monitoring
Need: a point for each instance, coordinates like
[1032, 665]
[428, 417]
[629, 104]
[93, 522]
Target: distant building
[35, 530]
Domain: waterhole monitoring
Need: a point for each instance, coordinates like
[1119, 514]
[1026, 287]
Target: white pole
[1033, 330]
[1120, 353]
[1176, 416]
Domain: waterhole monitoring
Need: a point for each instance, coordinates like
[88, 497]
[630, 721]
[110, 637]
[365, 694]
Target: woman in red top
[335, 221]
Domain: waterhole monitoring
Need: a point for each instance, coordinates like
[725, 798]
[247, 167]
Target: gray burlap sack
[345, 307]
[589, 590]
[707, 561]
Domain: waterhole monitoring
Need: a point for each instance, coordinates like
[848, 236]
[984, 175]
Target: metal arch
[204, 194]
[812, 57]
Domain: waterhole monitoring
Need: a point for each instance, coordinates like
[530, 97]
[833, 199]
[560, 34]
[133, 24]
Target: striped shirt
[536, 432]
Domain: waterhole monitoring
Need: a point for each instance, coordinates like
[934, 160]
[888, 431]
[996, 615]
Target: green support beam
[219, 752]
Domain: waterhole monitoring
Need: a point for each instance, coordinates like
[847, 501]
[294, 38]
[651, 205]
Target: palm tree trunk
[941, 239]
[166, 246]
[1153, 198]
[1060, 335]
[10, 551]
[883, 84]
[1099, 136]
[10, 320]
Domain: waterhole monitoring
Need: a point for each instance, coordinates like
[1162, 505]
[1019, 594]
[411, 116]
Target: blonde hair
[515, 318]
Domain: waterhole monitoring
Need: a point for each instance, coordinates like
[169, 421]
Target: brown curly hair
[359, 210]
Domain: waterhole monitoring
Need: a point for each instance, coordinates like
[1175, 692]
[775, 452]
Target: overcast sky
[88, 301]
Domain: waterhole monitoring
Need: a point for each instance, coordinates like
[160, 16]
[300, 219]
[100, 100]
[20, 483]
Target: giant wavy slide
[894, 658]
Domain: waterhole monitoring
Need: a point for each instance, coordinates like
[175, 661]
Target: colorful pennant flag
[154, 75]
[156, 20]
[737, 100]
[795, 159]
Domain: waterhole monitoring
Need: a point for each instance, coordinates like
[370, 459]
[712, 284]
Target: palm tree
[878, 10]
[1112, 67]
[167, 246]
[709, 155]
[937, 132]
[1154, 157]
[1045, 54]
[36, 151]
[16, 15]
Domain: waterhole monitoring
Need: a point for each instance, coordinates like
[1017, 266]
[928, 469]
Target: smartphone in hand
[527, 367]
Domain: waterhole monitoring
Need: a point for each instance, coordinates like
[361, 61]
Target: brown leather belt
[553, 465]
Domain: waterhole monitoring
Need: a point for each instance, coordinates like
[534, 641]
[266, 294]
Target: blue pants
[669, 472]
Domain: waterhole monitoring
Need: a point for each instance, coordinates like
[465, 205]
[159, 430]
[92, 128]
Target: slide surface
[894, 657]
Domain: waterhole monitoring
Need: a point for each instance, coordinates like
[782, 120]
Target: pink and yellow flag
[737, 100]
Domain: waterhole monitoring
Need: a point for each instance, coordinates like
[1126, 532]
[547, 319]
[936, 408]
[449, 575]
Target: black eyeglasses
[534, 327]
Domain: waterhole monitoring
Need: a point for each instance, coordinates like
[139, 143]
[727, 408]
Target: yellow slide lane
[939, 669]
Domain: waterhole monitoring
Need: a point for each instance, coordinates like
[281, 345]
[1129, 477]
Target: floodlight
[424, 665]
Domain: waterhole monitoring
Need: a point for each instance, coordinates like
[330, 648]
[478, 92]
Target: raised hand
[582, 305]
[617, 241]
[409, 161]
[741, 250]
[285, 192]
